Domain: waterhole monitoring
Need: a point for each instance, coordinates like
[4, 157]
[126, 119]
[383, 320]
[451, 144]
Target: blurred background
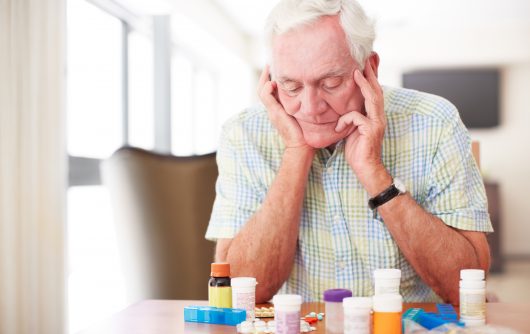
[163, 75]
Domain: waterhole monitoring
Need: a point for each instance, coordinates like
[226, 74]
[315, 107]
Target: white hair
[358, 28]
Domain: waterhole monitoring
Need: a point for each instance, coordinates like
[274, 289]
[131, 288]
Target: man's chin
[321, 141]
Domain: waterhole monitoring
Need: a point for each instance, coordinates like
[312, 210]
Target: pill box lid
[357, 302]
[336, 295]
[220, 269]
[472, 274]
[387, 273]
[243, 282]
[287, 300]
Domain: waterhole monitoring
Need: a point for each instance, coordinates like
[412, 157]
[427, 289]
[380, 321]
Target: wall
[504, 156]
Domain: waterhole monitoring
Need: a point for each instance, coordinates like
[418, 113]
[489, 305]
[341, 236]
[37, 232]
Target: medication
[472, 297]
[264, 312]
[287, 313]
[244, 294]
[357, 315]
[214, 315]
[387, 281]
[387, 314]
[219, 290]
[334, 310]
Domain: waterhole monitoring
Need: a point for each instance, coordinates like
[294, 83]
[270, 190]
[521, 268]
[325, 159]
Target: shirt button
[329, 170]
[336, 218]
[341, 265]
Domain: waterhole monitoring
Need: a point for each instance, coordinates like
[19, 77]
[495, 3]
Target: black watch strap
[385, 196]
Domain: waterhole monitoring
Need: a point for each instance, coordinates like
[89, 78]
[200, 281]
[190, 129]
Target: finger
[268, 99]
[369, 74]
[372, 99]
[344, 121]
[352, 118]
[264, 77]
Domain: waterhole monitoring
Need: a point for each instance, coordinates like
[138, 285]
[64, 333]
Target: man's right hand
[288, 127]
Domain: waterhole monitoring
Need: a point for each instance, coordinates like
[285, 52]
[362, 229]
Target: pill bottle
[357, 315]
[472, 297]
[244, 294]
[287, 313]
[387, 281]
[219, 289]
[387, 313]
[334, 310]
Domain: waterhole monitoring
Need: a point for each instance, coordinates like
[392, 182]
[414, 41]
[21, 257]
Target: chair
[162, 207]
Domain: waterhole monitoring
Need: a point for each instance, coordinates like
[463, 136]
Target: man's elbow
[263, 294]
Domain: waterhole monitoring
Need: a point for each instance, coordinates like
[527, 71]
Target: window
[182, 105]
[110, 103]
[140, 107]
[95, 129]
[94, 81]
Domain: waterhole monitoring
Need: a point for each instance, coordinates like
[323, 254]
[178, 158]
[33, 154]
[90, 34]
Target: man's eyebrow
[330, 74]
[283, 80]
[333, 73]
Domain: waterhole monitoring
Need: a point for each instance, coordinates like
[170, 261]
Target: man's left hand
[364, 145]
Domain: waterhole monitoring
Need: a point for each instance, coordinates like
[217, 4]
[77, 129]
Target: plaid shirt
[341, 241]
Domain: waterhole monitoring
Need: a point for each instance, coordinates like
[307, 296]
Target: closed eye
[332, 82]
[291, 89]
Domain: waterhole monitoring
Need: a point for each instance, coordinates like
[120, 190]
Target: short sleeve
[456, 191]
[236, 196]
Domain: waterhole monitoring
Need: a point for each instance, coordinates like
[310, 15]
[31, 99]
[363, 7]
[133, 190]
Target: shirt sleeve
[237, 198]
[456, 193]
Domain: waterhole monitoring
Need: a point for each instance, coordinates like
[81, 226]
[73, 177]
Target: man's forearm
[265, 247]
[436, 251]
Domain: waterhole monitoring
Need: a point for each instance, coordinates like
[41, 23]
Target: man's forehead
[315, 51]
[285, 76]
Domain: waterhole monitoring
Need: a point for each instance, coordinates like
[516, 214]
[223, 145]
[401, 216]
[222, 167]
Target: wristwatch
[396, 188]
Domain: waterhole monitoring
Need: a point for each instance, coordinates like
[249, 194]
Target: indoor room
[131, 147]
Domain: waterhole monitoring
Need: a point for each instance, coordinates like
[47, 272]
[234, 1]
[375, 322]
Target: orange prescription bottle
[387, 313]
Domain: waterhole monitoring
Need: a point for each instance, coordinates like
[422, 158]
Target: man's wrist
[301, 154]
[376, 181]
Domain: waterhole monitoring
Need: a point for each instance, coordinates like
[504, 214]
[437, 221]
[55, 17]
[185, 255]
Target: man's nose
[311, 103]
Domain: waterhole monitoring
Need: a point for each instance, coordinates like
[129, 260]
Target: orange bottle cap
[220, 269]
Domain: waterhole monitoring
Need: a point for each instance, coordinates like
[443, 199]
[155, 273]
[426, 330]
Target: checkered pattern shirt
[341, 241]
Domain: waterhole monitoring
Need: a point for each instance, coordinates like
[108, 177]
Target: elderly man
[335, 176]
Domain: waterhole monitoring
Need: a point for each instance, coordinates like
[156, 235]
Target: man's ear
[373, 61]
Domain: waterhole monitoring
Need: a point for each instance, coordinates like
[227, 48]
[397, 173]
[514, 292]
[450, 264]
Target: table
[167, 317]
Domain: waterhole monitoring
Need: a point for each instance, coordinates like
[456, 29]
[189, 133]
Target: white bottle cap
[472, 284]
[291, 300]
[357, 302]
[243, 282]
[472, 274]
[387, 273]
[388, 303]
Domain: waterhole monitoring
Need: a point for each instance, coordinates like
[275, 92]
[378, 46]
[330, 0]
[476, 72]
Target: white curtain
[32, 166]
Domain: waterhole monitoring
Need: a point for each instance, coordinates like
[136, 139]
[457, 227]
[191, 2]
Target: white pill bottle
[357, 315]
[472, 297]
[244, 294]
[387, 281]
[287, 313]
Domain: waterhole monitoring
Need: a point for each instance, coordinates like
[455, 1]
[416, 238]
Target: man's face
[314, 71]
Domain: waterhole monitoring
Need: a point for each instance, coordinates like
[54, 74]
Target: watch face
[400, 186]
